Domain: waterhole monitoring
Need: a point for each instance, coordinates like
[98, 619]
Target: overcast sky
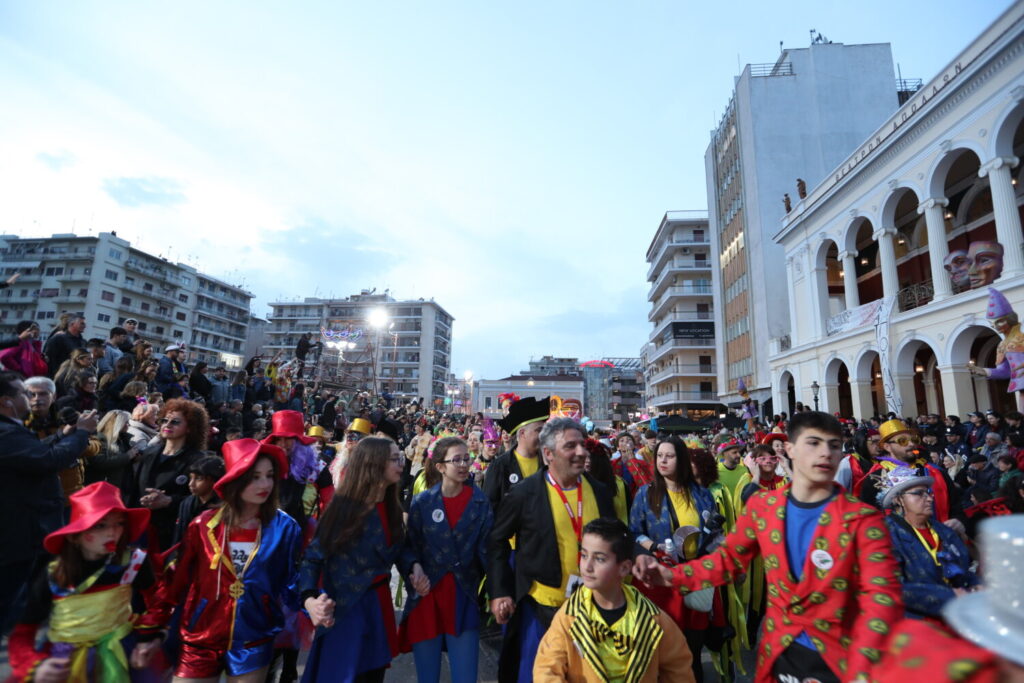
[511, 160]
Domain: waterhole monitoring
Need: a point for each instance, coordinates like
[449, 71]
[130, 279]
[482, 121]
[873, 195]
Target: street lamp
[815, 388]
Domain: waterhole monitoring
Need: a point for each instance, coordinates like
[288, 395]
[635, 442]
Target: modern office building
[372, 342]
[888, 260]
[108, 280]
[679, 360]
[787, 125]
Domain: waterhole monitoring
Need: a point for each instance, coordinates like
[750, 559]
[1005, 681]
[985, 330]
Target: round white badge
[821, 559]
[438, 515]
[181, 480]
[513, 477]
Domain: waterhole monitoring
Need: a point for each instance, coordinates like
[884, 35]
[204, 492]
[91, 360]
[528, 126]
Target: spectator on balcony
[170, 368]
[131, 336]
[61, 343]
[112, 350]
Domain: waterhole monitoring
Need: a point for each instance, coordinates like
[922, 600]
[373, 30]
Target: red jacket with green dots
[849, 594]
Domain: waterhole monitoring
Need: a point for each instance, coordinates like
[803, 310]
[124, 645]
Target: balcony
[682, 370]
[241, 301]
[209, 310]
[138, 310]
[669, 246]
[679, 265]
[692, 396]
[156, 272]
[675, 344]
[164, 294]
[672, 294]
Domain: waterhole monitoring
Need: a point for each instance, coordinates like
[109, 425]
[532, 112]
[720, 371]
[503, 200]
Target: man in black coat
[31, 499]
[59, 346]
[524, 421]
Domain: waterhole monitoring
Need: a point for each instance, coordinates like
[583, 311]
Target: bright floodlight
[378, 317]
[468, 375]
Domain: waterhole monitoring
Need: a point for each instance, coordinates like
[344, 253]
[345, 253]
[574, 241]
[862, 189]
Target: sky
[511, 161]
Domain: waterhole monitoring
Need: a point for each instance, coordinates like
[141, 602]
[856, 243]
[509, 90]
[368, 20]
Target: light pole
[468, 376]
[815, 388]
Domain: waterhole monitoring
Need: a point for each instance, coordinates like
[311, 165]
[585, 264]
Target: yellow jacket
[558, 658]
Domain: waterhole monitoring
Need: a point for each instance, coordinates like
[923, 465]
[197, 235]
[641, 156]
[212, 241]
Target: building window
[111, 275]
[107, 296]
[183, 298]
[180, 316]
[178, 334]
[125, 301]
[145, 305]
[142, 325]
[115, 254]
[158, 329]
[103, 318]
[87, 271]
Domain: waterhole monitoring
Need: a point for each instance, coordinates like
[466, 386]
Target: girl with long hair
[235, 566]
[599, 465]
[449, 525]
[673, 500]
[66, 374]
[113, 462]
[85, 595]
[345, 576]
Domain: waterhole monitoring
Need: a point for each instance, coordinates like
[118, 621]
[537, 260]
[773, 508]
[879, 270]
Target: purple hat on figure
[998, 306]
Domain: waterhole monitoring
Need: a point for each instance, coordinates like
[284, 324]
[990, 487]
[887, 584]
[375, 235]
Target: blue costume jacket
[440, 549]
[643, 522]
[348, 575]
[925, 590]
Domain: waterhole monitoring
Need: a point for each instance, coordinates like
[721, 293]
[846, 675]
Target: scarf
[636, 646]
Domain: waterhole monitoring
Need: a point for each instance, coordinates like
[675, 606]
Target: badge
[821, 559]
[513, 477]
[181, 479]
[438, 515]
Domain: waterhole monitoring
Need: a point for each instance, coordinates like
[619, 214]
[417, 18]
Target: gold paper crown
[891, 428]
[360, 425]
[315, 430]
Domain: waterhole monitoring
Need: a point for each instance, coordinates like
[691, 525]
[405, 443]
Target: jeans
[463, 652]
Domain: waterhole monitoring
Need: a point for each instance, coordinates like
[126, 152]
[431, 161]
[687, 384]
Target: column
[956, 390]
[849, 259]
[819, 289]
[887, 256]
[907, 392]
[938, 248]
[860, 395]
[795, 336]
[931, 397]
[1004, 205]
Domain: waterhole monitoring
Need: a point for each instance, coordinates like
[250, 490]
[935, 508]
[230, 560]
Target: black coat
[31, 498]
[170, 475]
[502, 475]
[526, 514]
[58, 349]
[112, 464]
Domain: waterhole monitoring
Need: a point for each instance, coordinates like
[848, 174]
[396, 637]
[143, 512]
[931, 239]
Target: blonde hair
[112, 424]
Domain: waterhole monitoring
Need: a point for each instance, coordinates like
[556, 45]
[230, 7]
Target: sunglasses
[904, 440]
[168, 421]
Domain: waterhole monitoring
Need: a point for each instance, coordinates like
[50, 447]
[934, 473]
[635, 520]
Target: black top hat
[524, 411]
[391, 428]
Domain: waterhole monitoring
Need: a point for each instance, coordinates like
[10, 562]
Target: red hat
[241, 454]
[767, 439]
[91, 504]
[289, 424]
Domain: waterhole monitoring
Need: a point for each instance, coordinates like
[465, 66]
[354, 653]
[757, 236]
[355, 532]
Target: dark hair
[601, 465]
[197, 422]
[24, 325]
[70, 568]
[860, 444]
[232, 495]
[1008, 459]
[345, 516]
[761, 449]
[683, 476]
[614, 532]
[650, 434]
[114, 331]
[430, 474]
[813, 419]
[7, 380]
[706, 466]
[209, 466]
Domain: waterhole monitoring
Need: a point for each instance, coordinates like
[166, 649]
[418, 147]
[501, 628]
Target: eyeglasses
[458, 462]
[921, 493]
[874, 441]
[904, 440]
[397, 459]
[168, 421]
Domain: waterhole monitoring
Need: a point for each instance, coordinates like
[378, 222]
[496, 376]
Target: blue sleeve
[485, 532]
[414, 542]
[638, 516]
[310, 570]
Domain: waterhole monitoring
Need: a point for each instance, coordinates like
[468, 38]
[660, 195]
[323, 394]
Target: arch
[1006, 130]
[909, 346]
[862, 365]
[821, 255]
[832, 365]
[848, 241]
[935, 178]
[887, 215]
[786, 392]
[977, 189]
[962, 338]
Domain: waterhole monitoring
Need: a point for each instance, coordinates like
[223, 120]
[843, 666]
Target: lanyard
[933, 551]
[577, 519]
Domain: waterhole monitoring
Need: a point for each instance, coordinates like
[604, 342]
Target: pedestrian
[61, 343]
[202, 475]
[169, 370]
[85, 595]
[446, 548]
[235, 567]
[198, 384]
[64, 378]
[116, 454]
[142, 427]
[345, 575]
[219, 386]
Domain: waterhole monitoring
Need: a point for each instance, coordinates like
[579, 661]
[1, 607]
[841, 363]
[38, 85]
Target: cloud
[56, 160]
[148, 191]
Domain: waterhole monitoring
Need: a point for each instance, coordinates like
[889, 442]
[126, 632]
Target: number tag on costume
[438, 515]
[513, 478]
[822, 560]
[572, 583]
[134, 565]
[181, 480]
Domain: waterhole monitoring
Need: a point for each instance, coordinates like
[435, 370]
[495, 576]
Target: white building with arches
[888, 259]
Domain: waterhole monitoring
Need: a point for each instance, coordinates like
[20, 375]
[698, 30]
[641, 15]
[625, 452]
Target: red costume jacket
[849, 594]
[920, 650]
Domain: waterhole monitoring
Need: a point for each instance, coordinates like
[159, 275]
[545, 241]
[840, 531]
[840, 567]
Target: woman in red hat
[86, 595]
[236, 564]
[307, 485]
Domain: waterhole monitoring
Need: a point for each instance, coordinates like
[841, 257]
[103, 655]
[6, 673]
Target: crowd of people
[165, 519]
